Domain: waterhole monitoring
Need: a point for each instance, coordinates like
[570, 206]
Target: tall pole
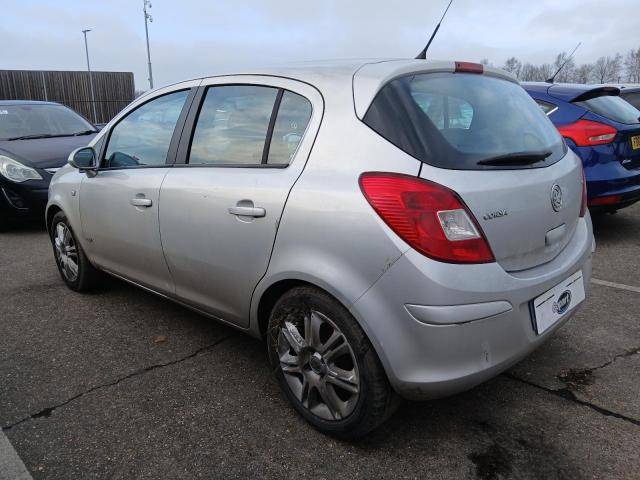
[93, 98]
[148, 18]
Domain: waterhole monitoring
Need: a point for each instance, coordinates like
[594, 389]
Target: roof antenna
[423, 54]
[551, 80]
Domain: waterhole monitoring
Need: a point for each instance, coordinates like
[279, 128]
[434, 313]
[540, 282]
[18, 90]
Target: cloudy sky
[197, 37]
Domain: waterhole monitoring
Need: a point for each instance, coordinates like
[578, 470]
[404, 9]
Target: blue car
[604, 131]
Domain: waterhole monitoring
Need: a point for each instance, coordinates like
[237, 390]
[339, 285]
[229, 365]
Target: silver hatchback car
[390, 228]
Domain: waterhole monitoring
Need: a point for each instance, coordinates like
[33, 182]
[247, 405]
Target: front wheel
[73, 265]
[326, 365]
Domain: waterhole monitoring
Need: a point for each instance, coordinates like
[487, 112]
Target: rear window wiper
[516, 158]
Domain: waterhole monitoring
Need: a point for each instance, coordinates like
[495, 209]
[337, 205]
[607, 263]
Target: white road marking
[621, 286]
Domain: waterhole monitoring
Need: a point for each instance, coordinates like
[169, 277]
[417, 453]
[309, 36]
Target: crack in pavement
[577, 377]
[567, 394]
[626, 353]
[46, 412]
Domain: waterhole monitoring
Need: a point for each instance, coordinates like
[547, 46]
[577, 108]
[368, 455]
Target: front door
[220, 209]
[119, 206]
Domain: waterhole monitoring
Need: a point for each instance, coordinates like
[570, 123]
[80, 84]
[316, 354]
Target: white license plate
[554, 304]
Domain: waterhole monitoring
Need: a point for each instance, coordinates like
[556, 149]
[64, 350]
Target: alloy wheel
[66, 252]
[319, 366]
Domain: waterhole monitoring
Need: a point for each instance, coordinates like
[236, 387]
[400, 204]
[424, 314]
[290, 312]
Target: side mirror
[83, 159]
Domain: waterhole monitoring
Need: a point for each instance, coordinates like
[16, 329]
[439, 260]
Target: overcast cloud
[191, 38]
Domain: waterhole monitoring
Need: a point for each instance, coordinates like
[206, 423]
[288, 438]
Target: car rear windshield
[460, 120]
[39, 119]
[612, 107]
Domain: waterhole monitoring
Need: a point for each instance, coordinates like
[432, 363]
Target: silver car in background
[391, 228]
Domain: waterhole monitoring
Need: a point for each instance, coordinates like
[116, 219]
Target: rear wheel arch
[269, 298]
[273, 292]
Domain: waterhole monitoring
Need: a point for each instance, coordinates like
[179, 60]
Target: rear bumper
[611, 181]
[427, 355]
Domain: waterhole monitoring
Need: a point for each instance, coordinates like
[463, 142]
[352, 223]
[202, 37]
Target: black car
[631, 94]
[35, 141]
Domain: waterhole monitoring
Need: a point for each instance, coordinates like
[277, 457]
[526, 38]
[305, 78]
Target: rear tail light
[583, 205]
[429, 217]
[585, 133]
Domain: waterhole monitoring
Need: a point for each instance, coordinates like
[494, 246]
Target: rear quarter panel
[329, 235]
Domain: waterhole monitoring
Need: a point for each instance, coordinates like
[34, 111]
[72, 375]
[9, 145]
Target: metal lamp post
[93, 98]
[148, 18]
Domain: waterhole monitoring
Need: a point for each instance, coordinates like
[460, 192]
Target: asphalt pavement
[122, 384]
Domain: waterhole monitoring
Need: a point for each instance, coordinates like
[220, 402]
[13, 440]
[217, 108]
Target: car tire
[74, 266]
[329, 370]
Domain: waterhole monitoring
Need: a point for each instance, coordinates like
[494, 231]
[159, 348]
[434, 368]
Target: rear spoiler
[597, 92]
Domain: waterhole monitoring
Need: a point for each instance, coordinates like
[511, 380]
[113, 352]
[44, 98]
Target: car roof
[365, 75]
[7, 103]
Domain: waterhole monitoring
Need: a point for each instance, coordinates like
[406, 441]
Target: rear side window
[455, 120]
[612, 107]
[293, 117]
[232, 126]
[546, 107]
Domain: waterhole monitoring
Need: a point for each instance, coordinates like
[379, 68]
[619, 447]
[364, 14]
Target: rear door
[242, 151]
[119, 206]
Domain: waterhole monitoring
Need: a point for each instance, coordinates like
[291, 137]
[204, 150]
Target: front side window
[142, 138]
[293, 117]
[40, 120]
[232, 125]
[459, 120]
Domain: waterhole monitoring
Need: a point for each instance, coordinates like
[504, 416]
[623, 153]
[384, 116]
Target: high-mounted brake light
[428, 216]
[585, 133]
[469, 67]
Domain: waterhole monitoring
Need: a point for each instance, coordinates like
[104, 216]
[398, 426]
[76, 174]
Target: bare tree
[513, 65]
[632, 65]
[566, 74]
[535, 73]
[583, 73]
[608, 69]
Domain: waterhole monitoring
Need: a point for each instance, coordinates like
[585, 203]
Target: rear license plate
[554, 304]
[635, 142]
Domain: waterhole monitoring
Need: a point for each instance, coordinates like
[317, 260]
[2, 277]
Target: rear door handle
[141, 202]
[247, 211]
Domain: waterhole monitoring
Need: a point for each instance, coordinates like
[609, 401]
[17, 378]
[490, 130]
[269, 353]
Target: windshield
[40, 119]
[612, 107]
[457, 120]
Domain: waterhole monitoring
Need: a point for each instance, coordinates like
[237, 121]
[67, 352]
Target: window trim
[175, 136]
[184, 148]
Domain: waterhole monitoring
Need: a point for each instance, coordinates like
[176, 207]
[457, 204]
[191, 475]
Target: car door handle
[247, 211]
[141, 202]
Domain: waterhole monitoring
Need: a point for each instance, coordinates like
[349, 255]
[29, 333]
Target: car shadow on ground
[616, 228]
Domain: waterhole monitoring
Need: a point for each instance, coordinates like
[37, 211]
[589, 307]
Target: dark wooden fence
[112, 90]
